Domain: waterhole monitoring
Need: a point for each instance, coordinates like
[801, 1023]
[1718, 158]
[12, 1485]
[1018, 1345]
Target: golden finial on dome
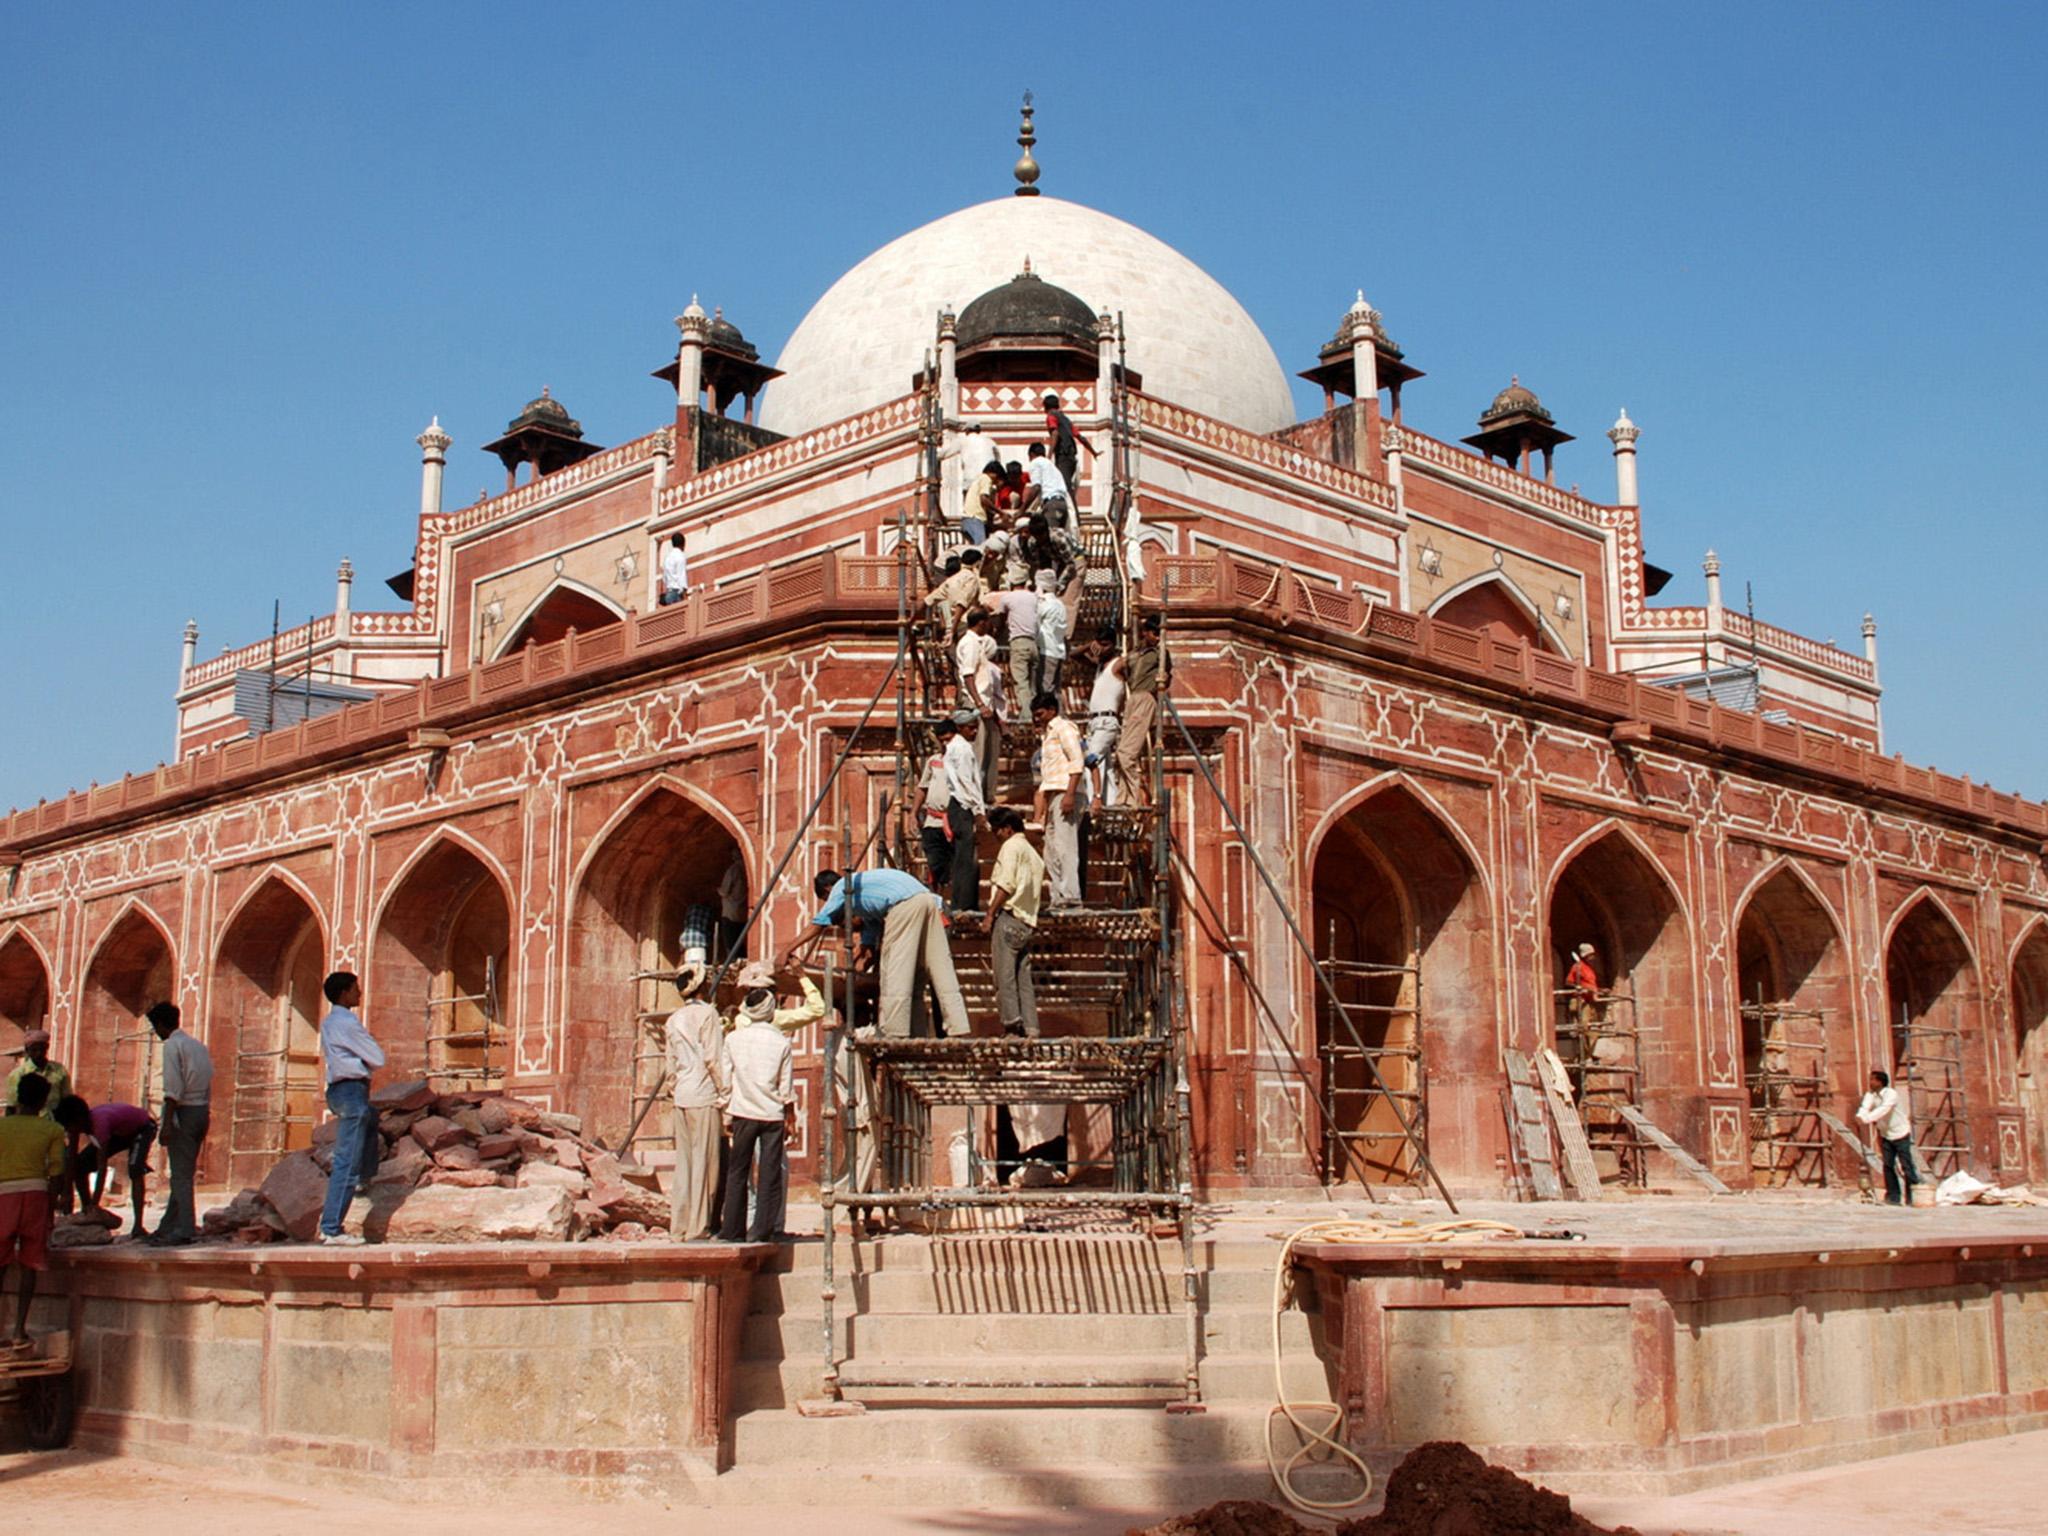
[1026, 170]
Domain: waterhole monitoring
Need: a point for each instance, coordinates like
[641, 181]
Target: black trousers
[966, 874]
[938, 855]
[755, 1141]
[1899, 1177]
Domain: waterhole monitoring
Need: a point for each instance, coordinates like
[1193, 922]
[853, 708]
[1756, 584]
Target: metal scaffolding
[1599, 1048]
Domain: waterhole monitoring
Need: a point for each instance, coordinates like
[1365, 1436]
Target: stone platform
[1683, 1343]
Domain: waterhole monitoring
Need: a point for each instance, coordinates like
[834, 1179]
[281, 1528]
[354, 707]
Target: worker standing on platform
[350, 1053]
[1052, 632]
[675, 571]
[1066, 442]
[1105, 713]
[903, 934]
[1582, 985]
[960, 593]
[35, 1062]
[693, 1038]
[1885, 1107]
[978, 505]
[1046, 490]
[1146, 673]
[1060, 769]
[1017, 610]
[966, 807]
[961, 455]
[981, 690]
[188, 1098]
[1016, 885]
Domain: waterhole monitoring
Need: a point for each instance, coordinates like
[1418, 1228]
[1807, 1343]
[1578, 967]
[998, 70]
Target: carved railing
[793, 452]
[1158, 417]
[1833, 657]
[290, 645]
[546, 487]
[1477, 467]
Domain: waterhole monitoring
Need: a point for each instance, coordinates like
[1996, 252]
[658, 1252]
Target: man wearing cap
[35, 1062]
[960, 591]
[755, 1066]
[966, 806]
[903, 935]
[693, 1038]
[1052, 632]
[1584, 986]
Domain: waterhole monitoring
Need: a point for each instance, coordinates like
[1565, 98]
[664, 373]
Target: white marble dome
[864, 341]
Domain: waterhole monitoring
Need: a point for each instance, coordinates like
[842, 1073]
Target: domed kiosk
[865, 341]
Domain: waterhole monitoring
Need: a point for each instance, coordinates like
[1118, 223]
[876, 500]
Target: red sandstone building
[1434, 685]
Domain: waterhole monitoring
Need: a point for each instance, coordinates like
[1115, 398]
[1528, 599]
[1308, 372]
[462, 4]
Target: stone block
[415, 1095]
[566, 1152]
[71, 1232]
[460, 1156]
[404, 1164]
[462, 1178]
[573, 1124]
[495, 1117]
[549, 1176]
[296, 1189]
[496, 1145]
[325, 1132]
[394, 1123]
[445, 1214]
[433, 1132]
[467, 1117]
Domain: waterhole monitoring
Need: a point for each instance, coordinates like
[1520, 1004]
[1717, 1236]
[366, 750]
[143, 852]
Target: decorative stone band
[833, 589]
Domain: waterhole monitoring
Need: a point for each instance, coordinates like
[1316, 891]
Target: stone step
[1236, 1381]
[1050, 1291]
[959, 1335]
[997, 1250]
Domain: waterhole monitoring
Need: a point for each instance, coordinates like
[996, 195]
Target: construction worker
[1146, 674]
[349, 1054]
[188, 1100]
[981, 690]
[978, 502]
[1885, 1107]
[1017, 614]
[1060, 772]
[35, 1062]
[755, 1065]
[960, 592]
[960, 456]
[1046, 489]
[1105, 713]
[692, 1039]
[903, 934]
[31, 1168]
[966, 808]
[1016, 885]
[1583, 986]
[96, 1135]
[1066, 442]
[1052, 632]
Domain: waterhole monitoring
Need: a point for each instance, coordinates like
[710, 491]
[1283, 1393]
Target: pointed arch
[1400, 912]
[1394, 778]
[265, 1006]
[646, 892]
[564, 604]
[1637, 1042]
[1934, 1018]
[1794, 1006]
[24, 981]
[2028, 968]
[132, 965]
[1493, 603]
[1785, 864]
[439, 981]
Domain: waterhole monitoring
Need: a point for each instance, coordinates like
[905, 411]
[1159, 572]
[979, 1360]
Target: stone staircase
[1059, 1351]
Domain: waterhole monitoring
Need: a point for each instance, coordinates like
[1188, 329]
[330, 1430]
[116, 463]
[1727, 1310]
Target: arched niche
[1400, 915]
[438, 987]
[662, 857]
[561, 608]
[24, 988]
[1799, 1051]
[267, 1005]
[2030, 1024]
[1932, 1014]
[132, 968]
[1494, 607]
[1612, 895]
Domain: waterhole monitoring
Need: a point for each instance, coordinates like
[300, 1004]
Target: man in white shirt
[755, 1061]
[1060, 769]
[966, 806]
[188, 1098]
[675, 571]
[1052, 632]
[1045, 488]
[1885, 1107]
[1016, 610]
[349, 1054]
[974, 661]
[1105, 714]
[961, 457]
[692, 1038]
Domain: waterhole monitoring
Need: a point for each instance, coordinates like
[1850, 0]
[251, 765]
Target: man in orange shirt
[1584, 987]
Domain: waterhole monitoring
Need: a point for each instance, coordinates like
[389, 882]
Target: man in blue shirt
[350, 1054]
[902, 928]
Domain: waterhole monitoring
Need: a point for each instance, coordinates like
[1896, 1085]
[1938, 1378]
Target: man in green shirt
[31, 1164]
[35, 1062]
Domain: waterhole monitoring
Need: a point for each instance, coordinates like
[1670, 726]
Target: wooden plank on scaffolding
[1571, 1134]
[1532, 1130]
[1643, 1127]
[1854, 1143]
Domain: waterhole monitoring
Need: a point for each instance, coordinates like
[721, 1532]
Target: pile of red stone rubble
[457, 1168]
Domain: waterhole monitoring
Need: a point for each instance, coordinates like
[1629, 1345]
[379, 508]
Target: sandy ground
[1994, 1487]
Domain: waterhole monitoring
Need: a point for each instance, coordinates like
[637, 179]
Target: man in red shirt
[1584, 987]
[1064, 444]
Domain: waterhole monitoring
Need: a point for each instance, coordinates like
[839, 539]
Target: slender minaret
[949, 352]
[344, 585]
[1623, 435]
[433, 461]
[188, 655]
[1365, 382]
[1710, 644]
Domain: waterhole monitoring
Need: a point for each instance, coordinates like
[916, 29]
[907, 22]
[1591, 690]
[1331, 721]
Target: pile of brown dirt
[1232, 1517]
[1444, 1489]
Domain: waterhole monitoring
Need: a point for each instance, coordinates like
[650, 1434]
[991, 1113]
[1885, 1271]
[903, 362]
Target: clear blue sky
[245, 252]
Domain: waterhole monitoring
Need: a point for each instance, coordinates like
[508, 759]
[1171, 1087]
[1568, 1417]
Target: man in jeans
[350, 1055]
[755, 1061]
[1885, 1107]
[188, 1097]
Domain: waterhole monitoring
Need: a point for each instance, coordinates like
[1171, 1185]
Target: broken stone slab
[566, 1152]
[245, 1208]
[573, 1124]
[548, 1176]
[462, 1178]
[433, 1133]
[590, 1218]
[496, 1118]
[636, 1207]
[461, 1156]
[394, 1123]
[407, 1161]
[470, 1121]
[296, 1189]
[325, 1132]
[403, 1097]
[71, 1233]
[441, 1213]
[492, 1147]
